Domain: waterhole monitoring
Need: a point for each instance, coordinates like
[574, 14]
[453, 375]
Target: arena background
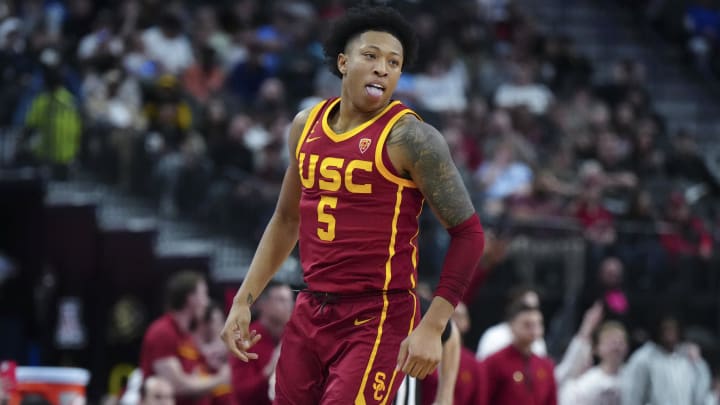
[164, 150]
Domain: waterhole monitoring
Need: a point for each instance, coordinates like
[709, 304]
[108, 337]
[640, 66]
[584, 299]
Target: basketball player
[361, 166]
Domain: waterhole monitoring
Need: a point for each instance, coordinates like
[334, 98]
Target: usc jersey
[358, 218]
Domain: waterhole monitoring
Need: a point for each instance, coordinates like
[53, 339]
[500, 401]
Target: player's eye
[369, 55]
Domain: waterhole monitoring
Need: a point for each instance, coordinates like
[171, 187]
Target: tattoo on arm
[429, 164]
[250, 299]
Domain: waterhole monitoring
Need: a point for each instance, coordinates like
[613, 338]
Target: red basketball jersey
[358, 218]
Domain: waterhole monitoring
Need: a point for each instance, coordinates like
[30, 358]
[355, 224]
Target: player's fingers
[237, 352]
[414, 369]
[410, 366]
[402, 355]
[429, 368]
[254, 339]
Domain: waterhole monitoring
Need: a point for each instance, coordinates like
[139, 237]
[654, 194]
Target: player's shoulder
[307, 112]
[410, 128]
[299, 121]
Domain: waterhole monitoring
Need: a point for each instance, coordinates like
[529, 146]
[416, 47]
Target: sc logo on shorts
[379, 386]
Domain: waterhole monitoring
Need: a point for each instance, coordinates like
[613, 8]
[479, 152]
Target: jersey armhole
[382, 158]
[312, 117]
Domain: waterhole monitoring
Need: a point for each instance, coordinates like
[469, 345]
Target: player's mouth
[375, 90]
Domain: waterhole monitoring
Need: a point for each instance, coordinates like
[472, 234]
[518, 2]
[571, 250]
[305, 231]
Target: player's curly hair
[366, 18]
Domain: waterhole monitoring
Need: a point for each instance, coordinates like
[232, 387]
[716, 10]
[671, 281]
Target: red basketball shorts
[343, 350]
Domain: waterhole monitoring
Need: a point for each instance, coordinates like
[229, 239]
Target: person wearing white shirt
[665, 371]
[167, 45]
[600, 385]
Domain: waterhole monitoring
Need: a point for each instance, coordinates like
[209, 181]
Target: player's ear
[342, 63]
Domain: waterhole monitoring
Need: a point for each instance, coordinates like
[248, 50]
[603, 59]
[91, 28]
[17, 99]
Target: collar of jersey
[335, 137]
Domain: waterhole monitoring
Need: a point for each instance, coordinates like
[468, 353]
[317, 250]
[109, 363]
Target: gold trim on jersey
[360, 397]
[308, 124]
[335, 137]
[412, 326]
[413, 243]
[379, 163]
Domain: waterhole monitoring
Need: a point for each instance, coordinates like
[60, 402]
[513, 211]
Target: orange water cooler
[59, 385]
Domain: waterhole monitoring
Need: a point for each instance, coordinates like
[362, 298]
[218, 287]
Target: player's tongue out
[374, 91]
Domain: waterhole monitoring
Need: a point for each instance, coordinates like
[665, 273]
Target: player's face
[371, 67]
[527, 327]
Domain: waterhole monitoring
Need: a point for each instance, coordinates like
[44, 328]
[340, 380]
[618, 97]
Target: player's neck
[347, 116]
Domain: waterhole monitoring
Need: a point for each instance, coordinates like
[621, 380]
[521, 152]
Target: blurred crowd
[188, 103]
[692, 25]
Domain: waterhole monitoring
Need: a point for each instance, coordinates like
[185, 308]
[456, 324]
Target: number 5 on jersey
[324, 218]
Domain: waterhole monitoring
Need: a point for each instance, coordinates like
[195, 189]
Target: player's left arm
[419, 152]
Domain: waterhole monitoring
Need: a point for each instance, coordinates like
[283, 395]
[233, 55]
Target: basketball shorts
[343, 349]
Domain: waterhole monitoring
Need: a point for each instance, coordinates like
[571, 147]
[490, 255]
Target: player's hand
[420, 352]
[236, 335]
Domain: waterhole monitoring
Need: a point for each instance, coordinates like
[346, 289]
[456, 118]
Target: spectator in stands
[499, 336]
[578, 355]
[702, 22]
[607, 287]
[503, 176]
[156, 390]
[567, 68]
[103, 44]
[524, 92]
[250, 380]
[245, 78]
[516, 375]
[647, 157]
[53, 124]
[167, 44]
[602, 383]
[597, 222]
[234, 165]
[214, 352]
[169, 349]
[613, 154]
[639, 244]
[442, 86]
[113, 122]
[627, 75]
[688, 244]
[685, 161]
[204, 78]
[666, 370]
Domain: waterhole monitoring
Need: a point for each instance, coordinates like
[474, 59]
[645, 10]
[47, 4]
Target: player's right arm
[278, 240]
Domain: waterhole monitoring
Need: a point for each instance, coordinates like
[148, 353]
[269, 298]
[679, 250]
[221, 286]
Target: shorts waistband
[334, 297]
